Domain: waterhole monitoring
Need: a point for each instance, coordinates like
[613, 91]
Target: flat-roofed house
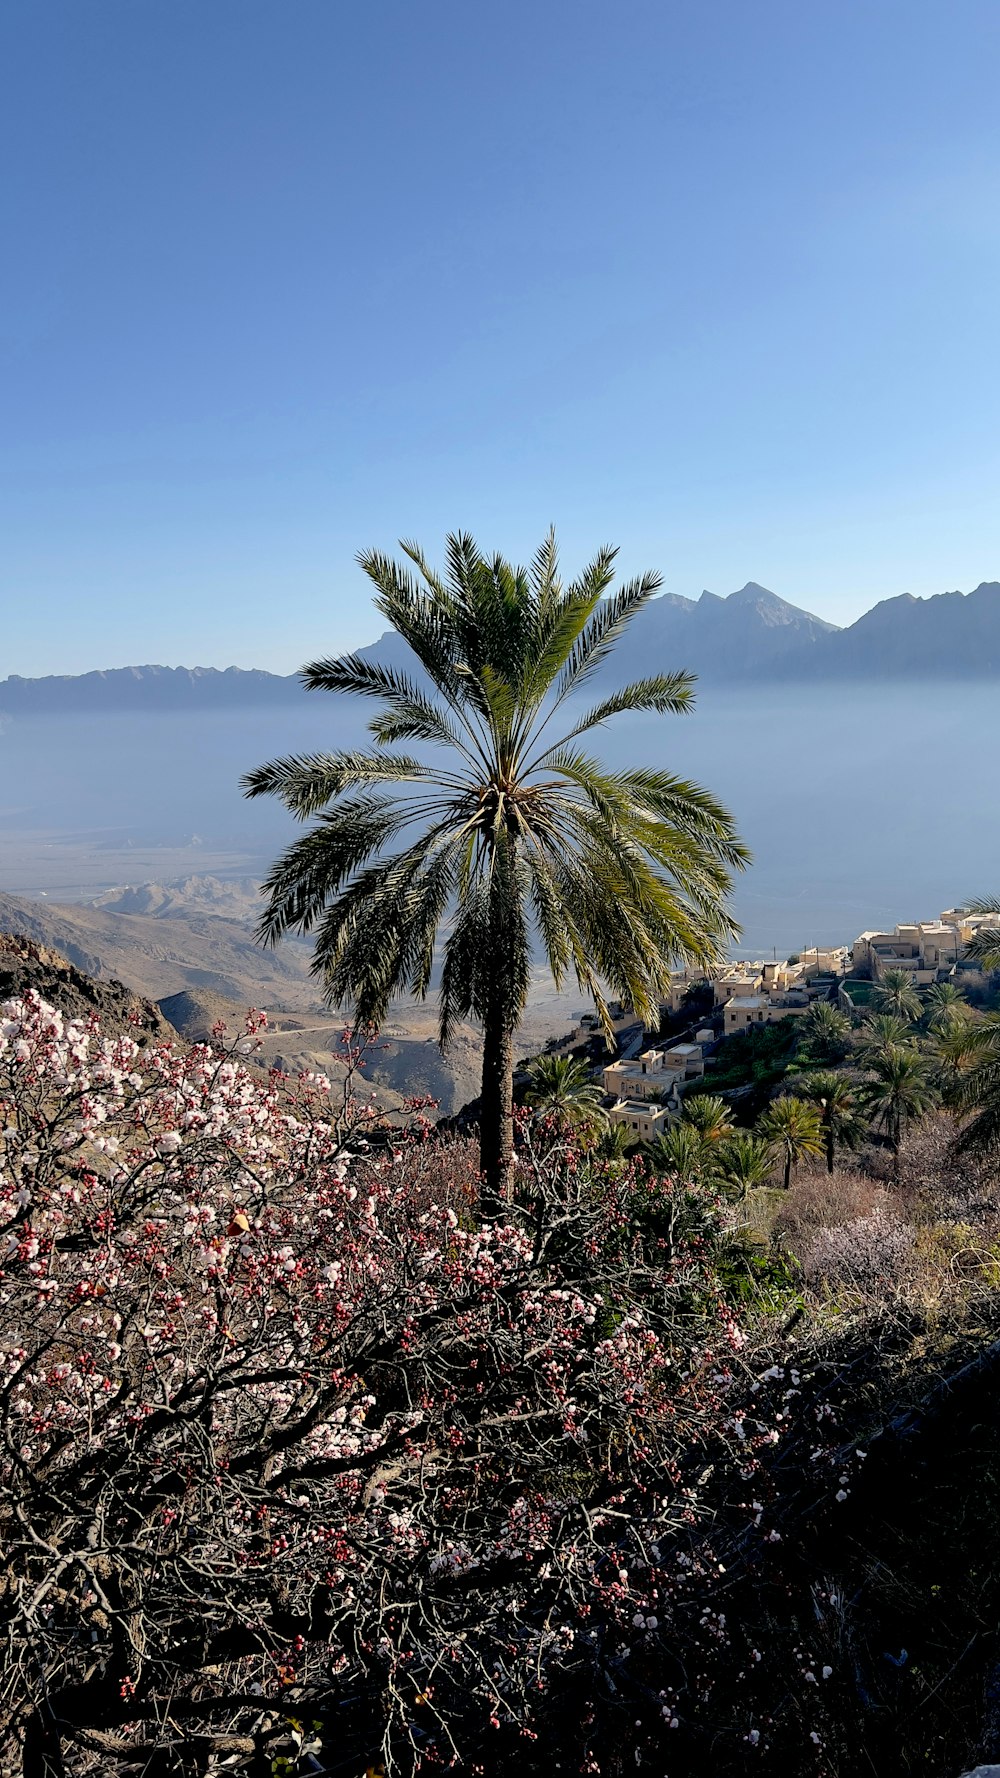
[747, 1010]
[645, 1121]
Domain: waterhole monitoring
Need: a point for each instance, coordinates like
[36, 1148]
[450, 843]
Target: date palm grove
[447, 872]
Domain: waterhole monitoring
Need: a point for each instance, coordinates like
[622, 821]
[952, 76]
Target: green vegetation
[977, 1089]
[825, 1033]
[511, 829]
[822, 1084]
[709, 1115]
[744, 1163]
[858, 991]
[761, 1056]
[898, 1090]
[944, 1003]
[680, 1151]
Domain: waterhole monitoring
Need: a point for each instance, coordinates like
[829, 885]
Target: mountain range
[751, 635]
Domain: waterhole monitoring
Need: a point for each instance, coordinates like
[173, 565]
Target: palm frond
[984, 945]
[316, 866]
[606, 626]
[664, 693]
[306, 782]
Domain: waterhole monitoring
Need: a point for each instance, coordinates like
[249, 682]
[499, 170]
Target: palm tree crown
[836, 1100]
[742, 1162]
[896, 994]
[561, 1088]
[510, 831]
[680, 1150]
[900, 1088]
[826, 1032]
[709, 1115]
[792, 1128]
[945, 1004]
[882, 1031]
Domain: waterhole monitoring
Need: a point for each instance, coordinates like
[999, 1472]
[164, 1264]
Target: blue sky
[717, 282]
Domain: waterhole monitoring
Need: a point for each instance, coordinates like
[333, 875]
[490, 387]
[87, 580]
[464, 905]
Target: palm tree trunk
[496, 1116]
[788, 1169]
[830, 1146]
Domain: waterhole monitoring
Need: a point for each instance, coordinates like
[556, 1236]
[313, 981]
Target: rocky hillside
[203, 967]
[402, 1065]
[227, 899]
[25, 965]
[405, 1063]
[181, 947]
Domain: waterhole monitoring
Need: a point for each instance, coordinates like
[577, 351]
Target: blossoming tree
[301, 1468]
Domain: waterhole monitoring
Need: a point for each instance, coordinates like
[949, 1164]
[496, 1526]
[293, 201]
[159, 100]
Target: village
[646, 1080]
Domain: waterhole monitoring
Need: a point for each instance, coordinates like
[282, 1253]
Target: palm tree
[944, 1003]
[884, 1030]
[826, 1032]
[958, 1046]
[743, 1162]
[978, 1090]
[561, 1088]
[614, 1142]
[896, 994]
[510, 829]
[792, 1128]
[709, 1115]
[984, 945]
[836, 1100]
[683, 1151]
[900, 1089]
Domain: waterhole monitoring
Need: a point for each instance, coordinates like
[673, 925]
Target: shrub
[870, 1250]
[824, 1200]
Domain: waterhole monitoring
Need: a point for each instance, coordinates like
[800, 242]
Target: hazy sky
[281, 279]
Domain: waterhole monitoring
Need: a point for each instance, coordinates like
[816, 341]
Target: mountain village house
[925, 949]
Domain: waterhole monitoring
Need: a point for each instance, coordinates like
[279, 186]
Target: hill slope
[26, 966]
[155, 956]
[203, 968]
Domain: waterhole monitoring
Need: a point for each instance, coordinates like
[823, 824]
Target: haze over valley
[862, 802]
[127, 844]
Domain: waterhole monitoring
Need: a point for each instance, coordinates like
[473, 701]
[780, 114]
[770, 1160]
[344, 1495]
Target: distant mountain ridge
[751, 635]
[147, 688]
[948, 636]
[745, 636]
